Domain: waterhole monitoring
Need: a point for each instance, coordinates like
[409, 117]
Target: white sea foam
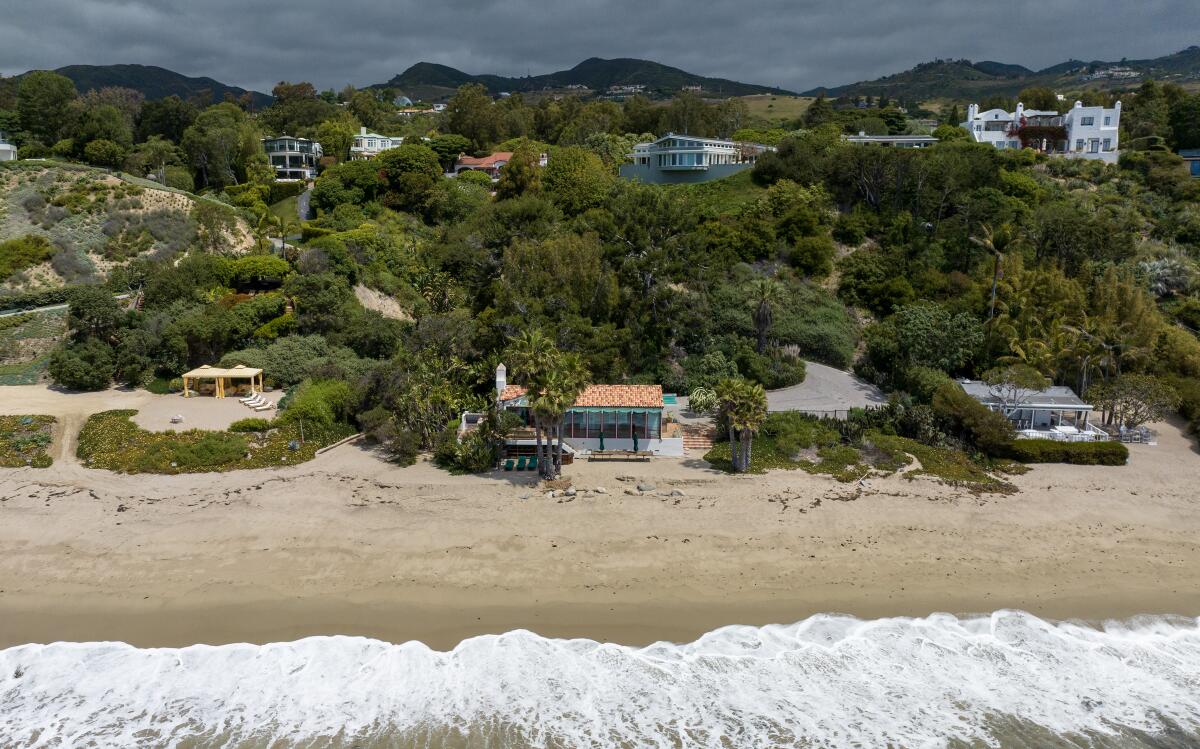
[827, 681]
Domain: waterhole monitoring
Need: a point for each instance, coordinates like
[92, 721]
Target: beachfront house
[1055, 412]
[8, 152]
[1081, 132]
[294, 159]
[604, 419]
[368, 145]
[675, 159]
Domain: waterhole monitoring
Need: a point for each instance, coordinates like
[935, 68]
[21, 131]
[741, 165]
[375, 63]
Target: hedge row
[283, 190]
[1077, 453]
[33, 299]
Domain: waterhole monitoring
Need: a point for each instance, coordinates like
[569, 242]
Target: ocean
[1004, 680]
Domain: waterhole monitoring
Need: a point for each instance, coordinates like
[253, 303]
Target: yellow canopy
[219, 375]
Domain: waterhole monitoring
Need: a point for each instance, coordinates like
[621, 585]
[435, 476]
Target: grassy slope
[286, 209]
[777, 109]
[722, 195]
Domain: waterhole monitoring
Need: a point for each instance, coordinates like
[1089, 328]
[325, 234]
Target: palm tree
[996, 243]
[765, 295]
[743, 406]
[553, 391]
[529, 355]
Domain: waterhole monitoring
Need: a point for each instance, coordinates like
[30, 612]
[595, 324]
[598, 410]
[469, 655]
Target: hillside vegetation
[64, 224]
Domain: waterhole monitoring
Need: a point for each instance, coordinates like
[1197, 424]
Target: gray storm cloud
[795, 44]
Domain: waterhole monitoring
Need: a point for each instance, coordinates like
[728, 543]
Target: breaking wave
[1008, 679]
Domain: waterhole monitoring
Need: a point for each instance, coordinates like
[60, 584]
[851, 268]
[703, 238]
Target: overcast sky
[794, 44]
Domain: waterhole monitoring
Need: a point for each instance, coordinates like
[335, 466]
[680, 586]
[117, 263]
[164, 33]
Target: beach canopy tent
[223, 378]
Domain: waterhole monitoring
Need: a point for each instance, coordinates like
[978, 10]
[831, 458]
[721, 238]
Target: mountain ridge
[152, 81]
[595, 73]
[963, 78]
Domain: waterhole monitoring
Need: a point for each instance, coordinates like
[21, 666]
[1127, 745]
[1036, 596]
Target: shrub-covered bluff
[911, 266]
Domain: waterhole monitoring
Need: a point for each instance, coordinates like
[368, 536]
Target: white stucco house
[369, 145]
[8, 152]
[1080, 132]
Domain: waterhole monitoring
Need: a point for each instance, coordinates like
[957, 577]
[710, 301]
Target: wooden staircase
[698, 437]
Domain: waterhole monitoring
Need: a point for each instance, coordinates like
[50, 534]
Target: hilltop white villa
[1082, 132]
[8, 152]
[369, 145]
[674, 159]
[294, 159]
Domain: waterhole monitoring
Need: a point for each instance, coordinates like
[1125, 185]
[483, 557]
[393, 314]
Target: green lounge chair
[521, 463]
[508, 464]
[533, 463]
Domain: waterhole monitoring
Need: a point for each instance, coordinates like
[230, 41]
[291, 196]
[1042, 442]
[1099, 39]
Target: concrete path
[826, 391]
[302, 204]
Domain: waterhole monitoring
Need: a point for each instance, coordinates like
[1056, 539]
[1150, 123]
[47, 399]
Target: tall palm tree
[530, 354]
[997, 243]
[554, 390]
[765, 294]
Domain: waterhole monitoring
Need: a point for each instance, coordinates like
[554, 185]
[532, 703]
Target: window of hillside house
[1087, 121]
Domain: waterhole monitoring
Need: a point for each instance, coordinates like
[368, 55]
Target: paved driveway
[826, 391]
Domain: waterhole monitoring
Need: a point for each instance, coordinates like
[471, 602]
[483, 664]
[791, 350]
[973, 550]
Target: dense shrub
[987, 430]
[1077, 453]
[322, 402]
[20, 254]
[793, 432]
[212, 449]
[83, 366]
[251, 424]
[284, 190]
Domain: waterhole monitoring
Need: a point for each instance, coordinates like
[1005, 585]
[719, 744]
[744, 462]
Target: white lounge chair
[267, 406]
[250, 397]
[255, 402]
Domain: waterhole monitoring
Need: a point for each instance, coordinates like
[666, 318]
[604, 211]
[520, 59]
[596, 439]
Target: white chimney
[1078, 105]
[362, 131]
[1020, 109]
[501, 379]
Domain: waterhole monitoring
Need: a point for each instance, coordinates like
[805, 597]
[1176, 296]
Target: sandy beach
[348, 544]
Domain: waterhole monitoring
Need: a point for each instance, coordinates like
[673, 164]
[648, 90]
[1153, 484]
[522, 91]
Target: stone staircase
[698, 437]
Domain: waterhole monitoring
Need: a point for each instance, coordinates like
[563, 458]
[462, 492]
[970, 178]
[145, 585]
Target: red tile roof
[485, 161]
[605, 396]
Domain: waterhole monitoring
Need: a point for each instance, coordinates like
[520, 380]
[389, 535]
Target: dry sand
[347, 544]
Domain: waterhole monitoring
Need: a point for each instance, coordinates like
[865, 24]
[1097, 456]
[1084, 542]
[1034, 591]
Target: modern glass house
[293, 158]
[687, 158]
